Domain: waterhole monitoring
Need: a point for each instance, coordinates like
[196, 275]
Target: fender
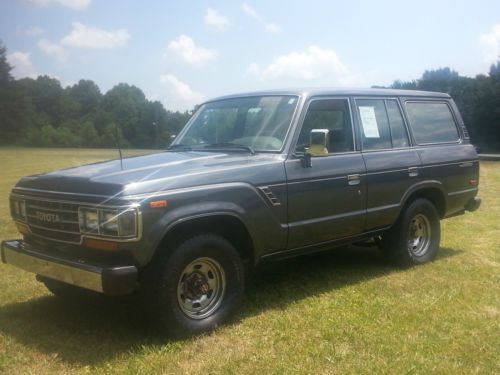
[238, 200]
[434, 184]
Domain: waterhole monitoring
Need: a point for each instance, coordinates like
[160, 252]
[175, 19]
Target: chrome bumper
[107, 280]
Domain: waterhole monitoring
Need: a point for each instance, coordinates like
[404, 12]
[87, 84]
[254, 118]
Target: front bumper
[103, 279]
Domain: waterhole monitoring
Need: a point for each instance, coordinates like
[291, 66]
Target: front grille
[53, 220]
[58, 236]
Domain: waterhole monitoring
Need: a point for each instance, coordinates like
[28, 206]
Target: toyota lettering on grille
[47, 217]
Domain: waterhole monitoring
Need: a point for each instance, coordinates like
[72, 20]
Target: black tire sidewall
[200, 246]
[395, 242]
[427, 209]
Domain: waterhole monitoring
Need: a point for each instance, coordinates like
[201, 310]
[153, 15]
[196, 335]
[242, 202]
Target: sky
[184, 52]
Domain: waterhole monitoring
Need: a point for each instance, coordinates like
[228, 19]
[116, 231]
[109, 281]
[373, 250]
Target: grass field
[339, 312]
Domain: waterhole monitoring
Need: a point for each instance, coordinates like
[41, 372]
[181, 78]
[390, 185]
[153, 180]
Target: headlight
[109, 223]
[18, 209]
[106, 222]
[127, 223]
[89, 220]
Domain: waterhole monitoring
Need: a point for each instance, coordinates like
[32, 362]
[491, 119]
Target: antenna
[118, 145]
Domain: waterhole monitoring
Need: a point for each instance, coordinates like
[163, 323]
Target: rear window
[432, 122]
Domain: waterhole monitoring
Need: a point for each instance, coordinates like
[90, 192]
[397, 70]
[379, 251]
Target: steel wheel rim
[201, 288]
[419, 235]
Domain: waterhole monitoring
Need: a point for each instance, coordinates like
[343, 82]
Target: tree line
[40, 112]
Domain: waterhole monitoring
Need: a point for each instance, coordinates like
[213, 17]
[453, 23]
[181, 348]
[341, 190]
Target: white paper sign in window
[369, 122]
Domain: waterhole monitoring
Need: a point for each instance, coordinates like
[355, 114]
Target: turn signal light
[100, 244]
[158, 204]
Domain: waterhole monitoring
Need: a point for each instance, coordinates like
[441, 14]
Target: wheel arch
[433, 191]
[225, 225]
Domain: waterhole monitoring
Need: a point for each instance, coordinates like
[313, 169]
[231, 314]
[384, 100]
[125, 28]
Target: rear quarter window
[432, 122]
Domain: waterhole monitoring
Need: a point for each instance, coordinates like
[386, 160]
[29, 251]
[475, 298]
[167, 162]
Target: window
[397, 124]
[432, 122]
[382, 125]
[331, 114]
[260, 122]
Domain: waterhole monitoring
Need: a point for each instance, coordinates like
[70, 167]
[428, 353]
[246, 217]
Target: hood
[149, 173]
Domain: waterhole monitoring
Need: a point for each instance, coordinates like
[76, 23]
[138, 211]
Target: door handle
[413, 171]
[353, 179]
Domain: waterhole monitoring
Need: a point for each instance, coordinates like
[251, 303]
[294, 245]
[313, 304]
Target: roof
[338, 92]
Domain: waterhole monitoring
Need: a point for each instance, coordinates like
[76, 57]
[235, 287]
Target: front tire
[197, 286]
[416, 236]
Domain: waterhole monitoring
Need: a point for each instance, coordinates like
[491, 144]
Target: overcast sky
[181, 52]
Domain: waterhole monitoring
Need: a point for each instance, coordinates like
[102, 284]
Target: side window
[432, 122]
[397, 124]
[382, 125]
[331, 114]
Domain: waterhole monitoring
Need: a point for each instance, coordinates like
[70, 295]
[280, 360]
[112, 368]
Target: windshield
[258, 122]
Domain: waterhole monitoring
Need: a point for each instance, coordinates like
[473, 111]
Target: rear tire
[415, 237]
[196, 287]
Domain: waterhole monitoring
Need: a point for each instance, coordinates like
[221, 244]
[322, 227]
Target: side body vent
[270, 195]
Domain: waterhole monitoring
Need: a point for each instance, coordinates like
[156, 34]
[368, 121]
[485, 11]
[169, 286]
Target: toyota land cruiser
[251, 177]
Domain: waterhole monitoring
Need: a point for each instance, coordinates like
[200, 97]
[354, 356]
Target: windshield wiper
[179, 146]
[229, 145]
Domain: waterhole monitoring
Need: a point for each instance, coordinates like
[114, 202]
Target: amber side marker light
[22, 228]
[158, 204]
[473, 182]
[100, 244]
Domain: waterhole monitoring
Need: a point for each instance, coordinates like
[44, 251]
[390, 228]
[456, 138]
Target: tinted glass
[382, 124]
[375, 130]
[398, 129]
[260, 122]
[431, 122]
[331, 114]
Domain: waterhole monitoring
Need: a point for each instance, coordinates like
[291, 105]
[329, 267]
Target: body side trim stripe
[462, 191]
[325, 218]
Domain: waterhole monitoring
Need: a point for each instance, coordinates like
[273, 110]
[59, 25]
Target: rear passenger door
[392, 166]
[326, 201]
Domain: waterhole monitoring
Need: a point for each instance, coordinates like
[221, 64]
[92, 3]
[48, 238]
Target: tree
[112, 137]
[124, 103]
[87, 95]
[14, 110]
[39, 112]
[88, 136]
[48, 97]
[485, 112]
[5, 68]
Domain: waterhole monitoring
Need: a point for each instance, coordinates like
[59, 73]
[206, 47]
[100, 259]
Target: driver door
[326, 201]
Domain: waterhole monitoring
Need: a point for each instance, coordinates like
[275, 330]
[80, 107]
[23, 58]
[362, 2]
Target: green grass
[339, 312]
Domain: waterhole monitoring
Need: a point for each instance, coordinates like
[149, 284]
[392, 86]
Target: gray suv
[251, 178]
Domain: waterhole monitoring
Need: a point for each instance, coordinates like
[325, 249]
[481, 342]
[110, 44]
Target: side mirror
[171, 139]
[319, 142]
